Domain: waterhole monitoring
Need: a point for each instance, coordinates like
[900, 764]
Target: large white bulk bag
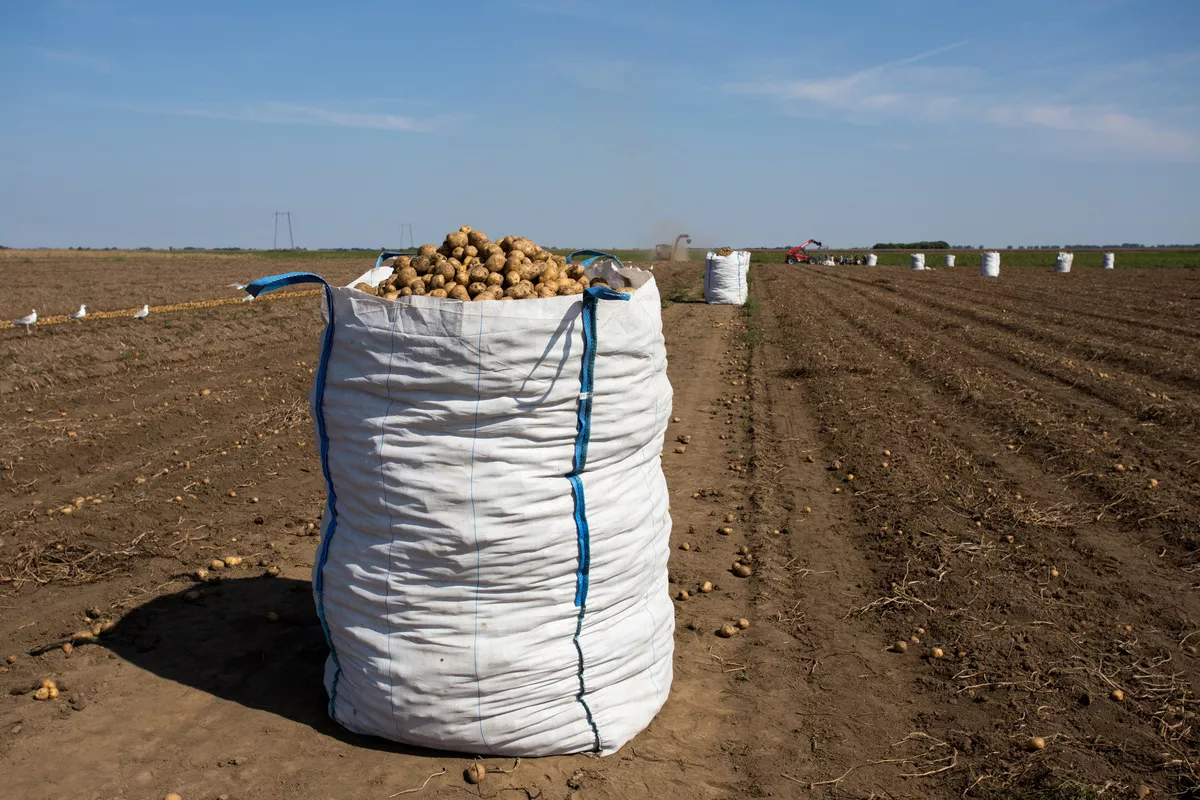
[1063, 264]
[989, 264]
[872, 259]
[918, 261]
[725, 278]
[949, 259]
[1110, 260]
[492, 573]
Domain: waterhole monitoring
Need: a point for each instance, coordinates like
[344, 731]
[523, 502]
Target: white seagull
[81, 313]
[28, 321]
[145, 312]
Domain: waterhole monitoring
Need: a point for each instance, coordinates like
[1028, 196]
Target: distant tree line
[912, 246]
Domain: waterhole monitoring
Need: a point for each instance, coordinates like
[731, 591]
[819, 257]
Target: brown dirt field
[1000, 530]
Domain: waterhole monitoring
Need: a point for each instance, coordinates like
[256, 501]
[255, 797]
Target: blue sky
[597, 123]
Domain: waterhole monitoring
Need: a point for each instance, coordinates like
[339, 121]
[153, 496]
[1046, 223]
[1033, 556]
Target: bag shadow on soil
[224, 644]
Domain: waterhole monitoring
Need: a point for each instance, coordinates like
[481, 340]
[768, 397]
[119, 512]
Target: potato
[568, 289]
[560, 260]
[457, 253]
[465, 229]
[529, 271]
[549, 275]
[402, 262]
[417, 287]
[436, 282]
[406, 276]
[470, 251]
[444, 251]
[496, 263]
[462, 276]
[525, 246]
[546, 291]
[457, 239]
[494, 279]
[513, 263]
[599, 282]
[406, 292]
[476, 288]
[492, 249]
[421, 264]
[426, 278]
[512, 278]
[438, 293]
[426, 250]
[584, 283]
[363, 287]
[544, 255]
[477, 239]
[506, 243]
[574, 271]
[460, 292]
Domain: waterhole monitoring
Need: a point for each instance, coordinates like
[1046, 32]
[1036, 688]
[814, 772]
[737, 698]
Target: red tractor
[797, 255]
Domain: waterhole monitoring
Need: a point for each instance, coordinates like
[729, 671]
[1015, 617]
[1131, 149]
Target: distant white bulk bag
[725, 278]
[989, 264]
[492, 573]
[1063, 264]
[1110, 260]
[949, 259]
[918, 261]
[872, 260]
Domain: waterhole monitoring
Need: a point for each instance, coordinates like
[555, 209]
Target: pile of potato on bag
[469, 266]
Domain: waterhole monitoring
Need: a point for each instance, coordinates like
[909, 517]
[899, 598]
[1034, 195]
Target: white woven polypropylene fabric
[726, 278]
[451, 555]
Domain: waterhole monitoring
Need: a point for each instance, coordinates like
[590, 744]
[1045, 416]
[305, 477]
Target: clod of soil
[272, 616]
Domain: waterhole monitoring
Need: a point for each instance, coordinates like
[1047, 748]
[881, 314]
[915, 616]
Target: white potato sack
[725, 278]
[492, 573]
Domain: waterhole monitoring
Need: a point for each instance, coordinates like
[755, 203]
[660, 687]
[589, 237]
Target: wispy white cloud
[966, 96]
[281, 113]
[76, 59]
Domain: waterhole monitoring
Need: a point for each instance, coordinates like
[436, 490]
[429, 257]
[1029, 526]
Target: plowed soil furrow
[1165, 359]
[1151, 317]
[1079, 453]
[1034, 616]
[1112, 397]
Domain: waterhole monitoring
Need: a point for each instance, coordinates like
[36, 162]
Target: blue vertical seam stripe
[583, 433]
[331, 500]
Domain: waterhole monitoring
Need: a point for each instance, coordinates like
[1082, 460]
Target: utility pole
[291, 241]
[406, 227]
